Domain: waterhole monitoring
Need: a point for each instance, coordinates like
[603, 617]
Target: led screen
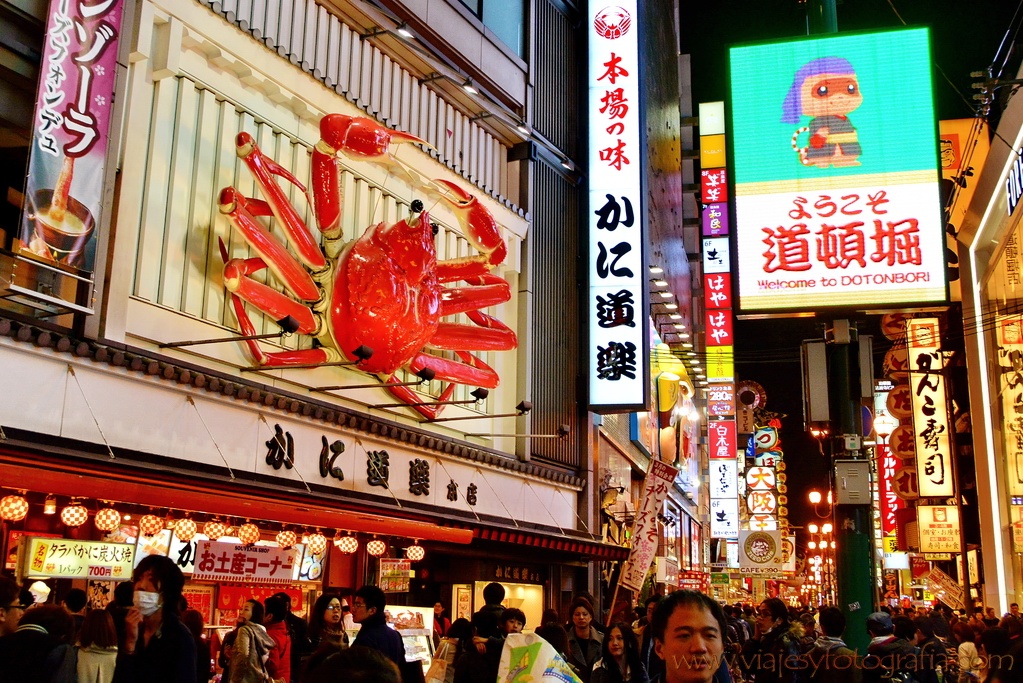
[836, 172]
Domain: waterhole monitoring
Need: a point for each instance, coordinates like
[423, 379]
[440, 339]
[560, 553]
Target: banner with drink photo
[64, 190]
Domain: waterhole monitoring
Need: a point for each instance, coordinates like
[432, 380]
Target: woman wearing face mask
[251, 646]
[158, 647]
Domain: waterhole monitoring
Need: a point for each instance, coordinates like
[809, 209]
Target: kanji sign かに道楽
[836, 172]
[230, 562]
[618, 374]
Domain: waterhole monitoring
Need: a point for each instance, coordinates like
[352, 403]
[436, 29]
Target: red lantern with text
[13, 508]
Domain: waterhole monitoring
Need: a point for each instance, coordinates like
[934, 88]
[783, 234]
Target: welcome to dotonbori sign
[836, 172]
[616, 298]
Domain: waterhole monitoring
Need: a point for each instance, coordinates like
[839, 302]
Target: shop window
[506, 18]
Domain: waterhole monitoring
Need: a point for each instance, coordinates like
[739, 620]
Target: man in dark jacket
[830, 659]
[889, 658]
[932, 651]
[772, 654]
[368, 611]
[493, 596]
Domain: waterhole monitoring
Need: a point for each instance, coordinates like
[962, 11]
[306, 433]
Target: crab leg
[242, 212]
[263, 169]
[359, 138]
[462, 299]
[480, 228]
[472, 372]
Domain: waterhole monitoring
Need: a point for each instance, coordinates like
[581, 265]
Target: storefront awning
[215, 498]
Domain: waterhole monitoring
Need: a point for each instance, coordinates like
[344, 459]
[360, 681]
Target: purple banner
[715, 220]
[63, 194]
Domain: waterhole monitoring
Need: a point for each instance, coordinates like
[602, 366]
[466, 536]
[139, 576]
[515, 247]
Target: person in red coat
[279, 663]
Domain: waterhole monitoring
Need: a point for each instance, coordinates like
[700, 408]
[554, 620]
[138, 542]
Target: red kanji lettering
[614, 70]
[615, 104]
[787, 249]
[840, 245]
[897, 242]
[615, 156]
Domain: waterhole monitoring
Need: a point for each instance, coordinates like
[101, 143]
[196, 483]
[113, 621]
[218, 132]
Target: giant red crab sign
[385, 292]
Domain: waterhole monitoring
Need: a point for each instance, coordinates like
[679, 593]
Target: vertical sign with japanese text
[644, 532]
[64, 191]
[616, 299]
[836, 172]
[930, 410]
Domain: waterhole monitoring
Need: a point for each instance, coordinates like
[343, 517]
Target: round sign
[902, 442]
[765, 438]
[893, 325]
[900, 401]
[904, 483]
[896, 363]
[760, 547]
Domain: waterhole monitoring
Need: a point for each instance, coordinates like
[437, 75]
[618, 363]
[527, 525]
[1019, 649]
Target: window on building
[506, 18]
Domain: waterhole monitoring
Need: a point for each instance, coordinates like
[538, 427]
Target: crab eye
[822, 91]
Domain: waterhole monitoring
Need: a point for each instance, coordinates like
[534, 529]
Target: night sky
[965, 38]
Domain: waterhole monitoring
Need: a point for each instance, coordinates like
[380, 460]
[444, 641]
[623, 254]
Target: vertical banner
[930, 408]
[64, 191]
[1009, 331]
[644, 532]
[617, 268]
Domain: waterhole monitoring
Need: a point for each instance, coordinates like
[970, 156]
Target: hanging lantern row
[14, 508]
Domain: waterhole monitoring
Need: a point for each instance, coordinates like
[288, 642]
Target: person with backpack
[932, 652]
[830, 659]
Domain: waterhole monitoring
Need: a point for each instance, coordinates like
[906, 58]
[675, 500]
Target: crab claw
[359, 137]
[478, 226]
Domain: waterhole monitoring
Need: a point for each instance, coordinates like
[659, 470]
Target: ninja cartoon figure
[826, 90]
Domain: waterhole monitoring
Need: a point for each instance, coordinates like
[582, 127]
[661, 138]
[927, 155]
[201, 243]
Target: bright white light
[660, 283]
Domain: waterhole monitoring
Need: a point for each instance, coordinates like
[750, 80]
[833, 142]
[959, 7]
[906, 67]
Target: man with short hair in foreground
[688, 630]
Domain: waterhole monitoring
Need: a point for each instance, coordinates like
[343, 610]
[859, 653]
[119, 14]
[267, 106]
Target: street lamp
[884, 425]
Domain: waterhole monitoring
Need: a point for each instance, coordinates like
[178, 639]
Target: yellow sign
[890, 544]
[712, 151]
[720, 364]
[59, 558]
[939, 528]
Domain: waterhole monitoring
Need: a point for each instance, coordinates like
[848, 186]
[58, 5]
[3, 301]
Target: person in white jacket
[97, 648]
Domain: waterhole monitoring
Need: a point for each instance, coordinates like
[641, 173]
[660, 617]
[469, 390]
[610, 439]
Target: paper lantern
[287, 538]
[185, 529]
[74, 515]
[415, 552]
[13, 508]
[317, 543]
[376, 548]
[107, 519]
[151, 525]
[214, 529]
[347, 544]
[248, 533]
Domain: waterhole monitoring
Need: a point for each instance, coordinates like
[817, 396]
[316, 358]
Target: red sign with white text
[714, 185]
[887, 464]
[717, 290]
[721, 436]
[719, 328]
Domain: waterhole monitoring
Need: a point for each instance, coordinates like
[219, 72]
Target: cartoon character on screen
[826, 90]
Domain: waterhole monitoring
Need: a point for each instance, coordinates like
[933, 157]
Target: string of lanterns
[15, 507]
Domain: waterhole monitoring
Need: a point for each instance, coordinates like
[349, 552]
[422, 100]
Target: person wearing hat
[889, 658]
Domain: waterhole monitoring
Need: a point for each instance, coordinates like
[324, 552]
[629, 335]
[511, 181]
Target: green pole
[854, 566]
[821, 17]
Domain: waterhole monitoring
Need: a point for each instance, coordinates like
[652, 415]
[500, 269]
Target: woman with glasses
[325, 625]
[772, 654]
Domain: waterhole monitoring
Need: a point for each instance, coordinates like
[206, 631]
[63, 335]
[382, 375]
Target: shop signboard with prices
[61, 558]
[395, 575]
[939, 528]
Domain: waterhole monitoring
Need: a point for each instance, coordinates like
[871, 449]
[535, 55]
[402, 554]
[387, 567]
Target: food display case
[415, 624]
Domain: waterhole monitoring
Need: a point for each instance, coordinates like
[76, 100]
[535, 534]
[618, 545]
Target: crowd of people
[148, 634]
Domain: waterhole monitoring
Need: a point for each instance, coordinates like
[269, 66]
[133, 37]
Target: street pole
[854, 568]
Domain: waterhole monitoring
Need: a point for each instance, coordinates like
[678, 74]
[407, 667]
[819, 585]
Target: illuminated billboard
[836, 172]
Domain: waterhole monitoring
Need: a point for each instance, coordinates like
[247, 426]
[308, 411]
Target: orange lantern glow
[317, 543]
[150, 525]
[107, 519]
[13, 508]
[415, 552]
[248, 533]
[214, 529]
[74, 514]
[185, 529]
[287, 538]
[376, 548]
